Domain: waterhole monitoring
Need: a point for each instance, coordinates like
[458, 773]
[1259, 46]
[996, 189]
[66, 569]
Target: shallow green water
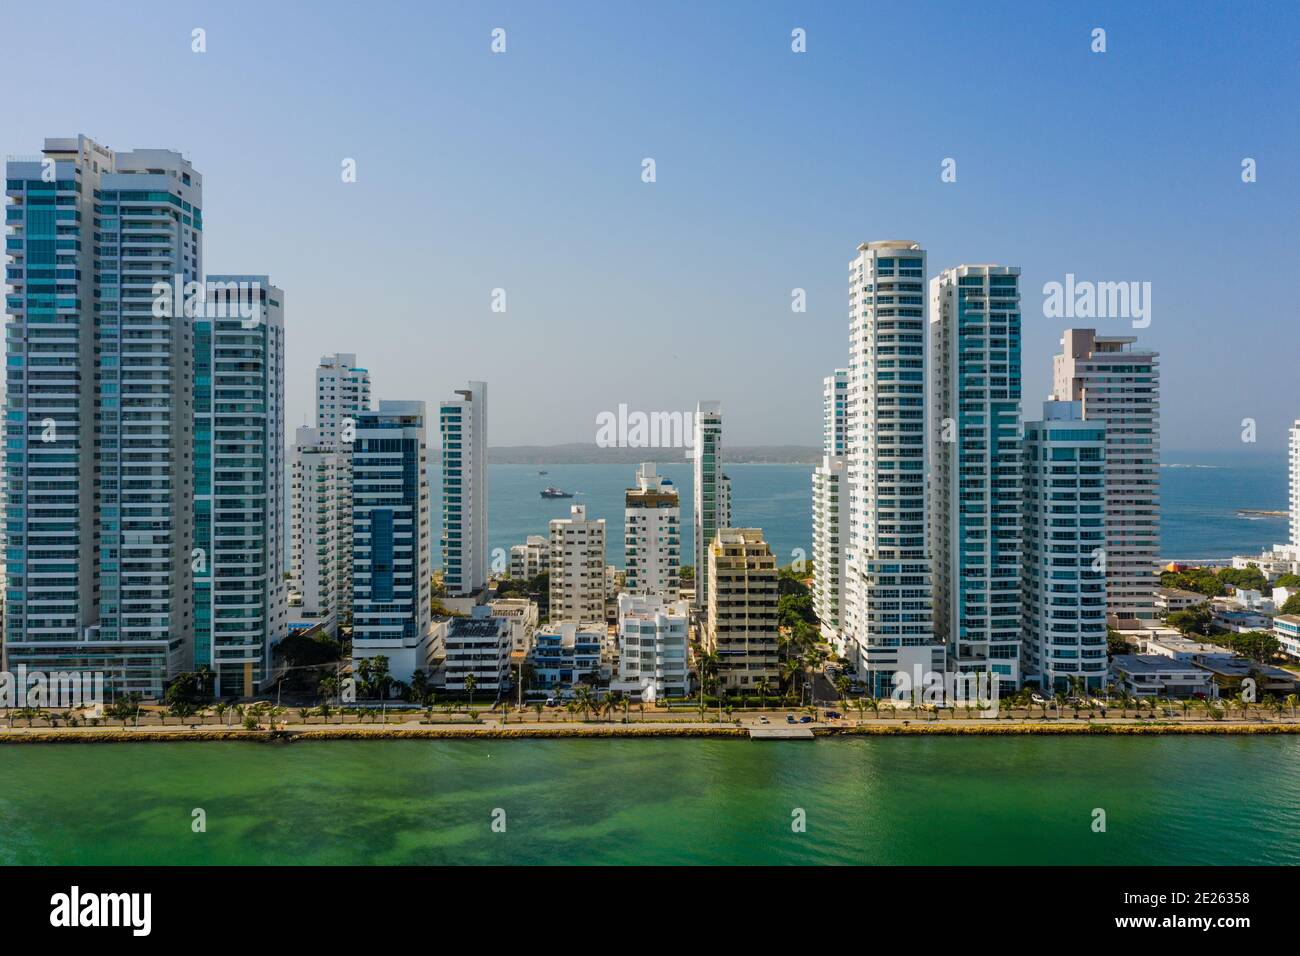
[1167, 800]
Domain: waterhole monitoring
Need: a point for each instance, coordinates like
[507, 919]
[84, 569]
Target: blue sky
[522, 171]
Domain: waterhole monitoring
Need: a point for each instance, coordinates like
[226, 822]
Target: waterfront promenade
[489, 725]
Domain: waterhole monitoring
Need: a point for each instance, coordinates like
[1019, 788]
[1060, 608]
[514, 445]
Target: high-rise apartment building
[835, 418]
[99, 421]
[240, 595]
[577, 584]
[974, 402]
[464, 491]
[315, 533]
[531, 558]
[743, 624]
[712, 492]
[830, 527]
[1065, 582]
[652, 535]
[342, 395]
[1119, 387]
[831, 510]
[888, 587]
[391, 532]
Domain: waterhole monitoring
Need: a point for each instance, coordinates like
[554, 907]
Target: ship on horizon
[553, 492]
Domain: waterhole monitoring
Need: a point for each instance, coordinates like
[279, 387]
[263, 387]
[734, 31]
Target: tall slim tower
[1119, 386]
[240, 596]
[315, 535]
[391, 530]
[342, 395]
[464, 491]
[712, 497]
[1064, 599]
[831, 510]
[974, 393]
[652, 535]
[835, 419]
[888, 588]
[99, 424]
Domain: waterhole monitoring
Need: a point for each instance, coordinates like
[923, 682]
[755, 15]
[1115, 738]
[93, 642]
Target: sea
[1200, 498]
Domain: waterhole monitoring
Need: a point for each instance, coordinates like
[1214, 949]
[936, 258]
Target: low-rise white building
[1172, 600]
[1145, 675]
[1280, 559]
[478, 645]
[521, 613]
[652, 646]
[565, 653]
[1286, 628]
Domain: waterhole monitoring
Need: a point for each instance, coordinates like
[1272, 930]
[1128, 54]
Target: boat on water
[553, 492]
[543, 472]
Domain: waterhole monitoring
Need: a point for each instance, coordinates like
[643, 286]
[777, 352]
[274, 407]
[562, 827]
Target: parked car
[552, 702]
[789, 718]
[763, 720]
[805, 719]
[833, 715]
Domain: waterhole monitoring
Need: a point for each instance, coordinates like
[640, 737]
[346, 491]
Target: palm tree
[842, 685]
[792, 670]
[763, 687]
[470, 683]
[1290, 700]
[538, 707]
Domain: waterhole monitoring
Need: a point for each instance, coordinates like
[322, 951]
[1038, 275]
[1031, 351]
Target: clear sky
[522, 171]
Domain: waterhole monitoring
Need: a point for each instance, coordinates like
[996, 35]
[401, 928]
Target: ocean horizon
[1201, 494]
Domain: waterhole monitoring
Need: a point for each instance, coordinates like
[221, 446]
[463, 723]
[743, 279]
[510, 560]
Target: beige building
[577, 568]
[742, 608]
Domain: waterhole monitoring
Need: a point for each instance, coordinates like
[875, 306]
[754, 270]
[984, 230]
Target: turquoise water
[1009, 800]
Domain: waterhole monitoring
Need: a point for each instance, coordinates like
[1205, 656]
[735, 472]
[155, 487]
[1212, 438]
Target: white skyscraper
[652, 535]
[391, 536]
[1064, 598]
[831, 510]
[315, 535]
[974, 407]
[342, 394]
[464, 537]
[240, 595]
[577, 567]
[712, 492]
[99, 412]
[835, 418]
[830, 527]
[888, 596]
[1119, 386]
